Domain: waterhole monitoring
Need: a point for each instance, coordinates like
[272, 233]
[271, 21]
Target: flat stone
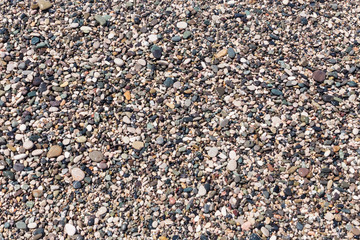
[18, 167]
[43, 4]
[96, 156]
[70, 229]
[265, 231]
[319, 76]
[54, 151]
[85, 29]
[355, 231]
[213, 152]
[138, 145]
[231, 52]
[232, 165]
[246, 226]
[329, 216]
[101, 211]
[81, 139]
[77, 174]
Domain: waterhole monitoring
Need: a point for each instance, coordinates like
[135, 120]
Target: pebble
[319, 76]
[37, 193]
[118, 61]
[213, 152]
[138, 145]
[232, 165]
[77, 174]
[21, 225]
[303, 172]
[28, 145]
[44, 5]
[181, 25]
[54, 151]
[96, 156]
[202, 191]
[70, 229]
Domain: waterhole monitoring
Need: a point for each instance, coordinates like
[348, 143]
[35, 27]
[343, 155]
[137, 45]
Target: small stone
[168, 82]
[221, 53]
[96, 156]
[213, 152]
[202, 191]
[337, 217]
[187, 34]
[43, 4]
[276, 92]
[70, 229]
[355, 231]
[28, 145]
[77, 174]
[37, 152]
[181, 25]
[138, 145]
[265, 231]
[54, 151]
[232, 165]
[38, 233]
[319, 76]
[160, 140]
[119, 61]
[21, 225]
[231, 52]
[85, 29]
[254, 236]
[100, 19]
[37, 193]
[18, 167]
[176, 39]
[303, 172]
[329, 216]
[77, 184]
[299, 226]
[81, 139]
[10, 175]
[101, 211]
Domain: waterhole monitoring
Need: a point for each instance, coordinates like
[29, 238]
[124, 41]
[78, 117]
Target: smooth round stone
[54, 151]
[187, 34]
[285, 2]
[37, 193]
[101, 211]
[276, 92]
[118, 61]
[20, 156]
[142, 62]
[37, 152]
[38, 233]
[32, 225]
[231, 53]
[70, 229]
[246, 226]
[213, 152]
[265, 231]
[96, 156]
[138, 145]
[81, 139]
[327, 98]
[319, 76]
[232, 165]
[18, 167]
[276, 121]
[303, 172]
[181, 25]
[77, 184]
[329, 216]
[77, 174]
[28, 145]
[172, 200]
[232, 154]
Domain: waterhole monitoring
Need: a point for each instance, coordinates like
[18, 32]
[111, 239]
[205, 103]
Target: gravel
[179, 120]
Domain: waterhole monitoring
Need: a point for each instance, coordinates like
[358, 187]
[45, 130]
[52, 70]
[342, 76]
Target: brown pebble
[303, 172]
[319, 76]
[54, 151]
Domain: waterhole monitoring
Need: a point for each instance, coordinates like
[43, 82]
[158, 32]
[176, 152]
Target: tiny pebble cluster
[224, 119]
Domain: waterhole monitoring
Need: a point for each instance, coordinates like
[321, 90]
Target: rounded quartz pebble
[232, 164]
[96, 156]
[70, 229]
[181, 25]
[213, 152]
[28, 145]
[37, 152]
[77, 174]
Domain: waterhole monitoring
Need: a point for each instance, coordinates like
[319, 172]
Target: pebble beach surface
[179, 119]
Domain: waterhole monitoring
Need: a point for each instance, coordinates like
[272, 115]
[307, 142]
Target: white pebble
[70, 229]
